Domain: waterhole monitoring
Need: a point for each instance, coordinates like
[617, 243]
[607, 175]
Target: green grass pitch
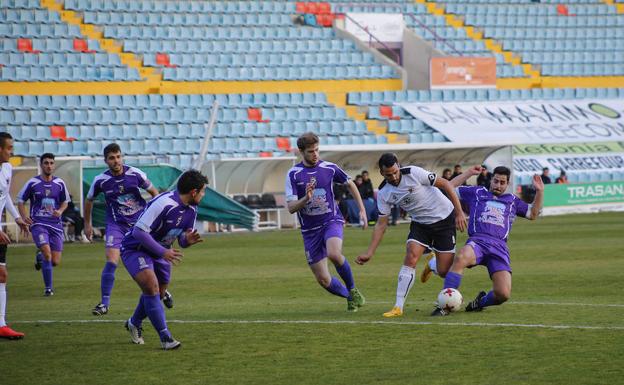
[248, 311]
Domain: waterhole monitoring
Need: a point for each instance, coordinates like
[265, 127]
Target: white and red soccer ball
[450, 300]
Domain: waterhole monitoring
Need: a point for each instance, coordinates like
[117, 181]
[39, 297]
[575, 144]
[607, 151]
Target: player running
[310, 194]
[48, 198]
[6, 172]
[434, 219]
[147, 253]
[121, 186]
[492, 213]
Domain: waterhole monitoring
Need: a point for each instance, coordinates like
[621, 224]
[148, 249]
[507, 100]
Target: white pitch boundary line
[343, 322]
[545, 303]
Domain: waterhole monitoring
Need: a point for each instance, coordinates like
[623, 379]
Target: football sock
[433, 265]
[2, 304]
[46, 272]
[404, 284]
[156, 314]
[345, 273]
[139, 313]
[488, 300]
[337, 288]
[452, 280]
[108, 280]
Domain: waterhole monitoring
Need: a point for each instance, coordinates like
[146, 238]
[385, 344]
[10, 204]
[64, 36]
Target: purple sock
[108, 280]
[46, 272]
[156, 313]
[337, 288]
[345, 273]
[139, 313]
[452, 280]
[488, 300]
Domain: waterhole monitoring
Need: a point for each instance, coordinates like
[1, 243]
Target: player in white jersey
[434, 219]
[6, 150]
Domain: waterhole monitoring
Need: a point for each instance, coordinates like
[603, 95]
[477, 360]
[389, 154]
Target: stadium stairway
[339, 100]
[109, 45]
[494, 46]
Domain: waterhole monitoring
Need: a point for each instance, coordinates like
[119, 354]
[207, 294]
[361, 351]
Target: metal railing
[371, 37]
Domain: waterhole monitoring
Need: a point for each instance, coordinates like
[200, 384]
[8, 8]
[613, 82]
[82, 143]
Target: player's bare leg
[107, 281]
[5, 330]
[150, 306]
[465, 258]
[334, 254]
[414, 251]
[46, 269]
[500, 293]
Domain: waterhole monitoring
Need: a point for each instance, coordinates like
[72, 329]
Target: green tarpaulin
[215, 207]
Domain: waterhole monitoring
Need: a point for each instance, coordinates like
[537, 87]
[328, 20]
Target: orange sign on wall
[463, 72]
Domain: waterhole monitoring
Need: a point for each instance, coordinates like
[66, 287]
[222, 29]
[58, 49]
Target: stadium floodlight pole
[199, 161]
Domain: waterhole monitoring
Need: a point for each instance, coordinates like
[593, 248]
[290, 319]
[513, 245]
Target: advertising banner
[387, 27]
[524, 122]
[462, 72]
[583, 194]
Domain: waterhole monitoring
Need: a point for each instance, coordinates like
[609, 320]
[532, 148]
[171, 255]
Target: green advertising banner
[583, 194]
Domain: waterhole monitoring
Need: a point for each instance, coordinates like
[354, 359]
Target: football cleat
[38, 260]
[136, 333]
[100, 309]
[48, 293]
[395, 312]
[439, 312]
[168, 299]
[357, 296]
[427, 272]
[170, 344]
[474, 304]
[10, 334]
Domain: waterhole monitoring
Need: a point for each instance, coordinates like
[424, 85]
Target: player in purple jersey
[48, 198]
[309, 193]
[147, 253]
[492, 213]
[121, 186]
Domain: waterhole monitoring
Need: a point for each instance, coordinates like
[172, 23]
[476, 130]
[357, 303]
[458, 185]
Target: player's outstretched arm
[88, 208]
[460, 218]
[152, 191]
[463, 177]
[378, 233]
[538, 202]
[189, 238]
[355, 193]
[294, 206]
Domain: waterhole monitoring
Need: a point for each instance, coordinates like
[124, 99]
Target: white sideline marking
[545, 303]
[342, 322]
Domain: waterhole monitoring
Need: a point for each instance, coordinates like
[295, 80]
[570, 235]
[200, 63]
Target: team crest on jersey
[494, 214]
[121, 189]
[178, 221]
[47, 192]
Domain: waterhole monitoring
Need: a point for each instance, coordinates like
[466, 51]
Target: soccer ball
[450, 300]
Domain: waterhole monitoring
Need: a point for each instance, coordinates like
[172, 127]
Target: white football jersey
[416, 195]
[6, 171]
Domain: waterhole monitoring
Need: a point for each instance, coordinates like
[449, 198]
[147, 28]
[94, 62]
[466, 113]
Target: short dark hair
[387, 160]
[113, 147]
[191, 180]
[446, 170]
[457, 165]
[364, 172]
[502, 170]
[47, 155]
[358, 176]
[545, 169]
[306, 140]
[4, 136]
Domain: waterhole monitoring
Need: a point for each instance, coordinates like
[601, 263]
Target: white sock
[405, 283]
[2, 303]
[433, 265]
